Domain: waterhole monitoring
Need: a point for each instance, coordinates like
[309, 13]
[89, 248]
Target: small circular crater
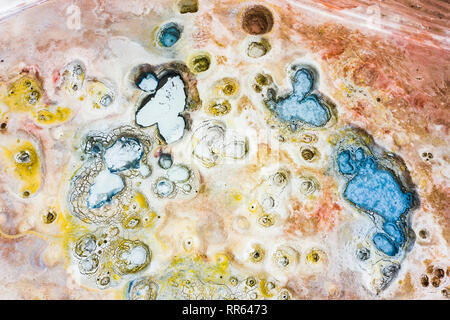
[266, 220]
[313, 257]
[263, 79]
[430, 269]
[424, 280]
[188, 6]
[257, 88]
[308, 153]
[285, 295]
[257, 20]
[423, 234]
[241, 223]
[257, 49]
[363, 254]
[257, 254]
[218, 107]
[200, 62]
[308, 138]
[187, 244]
[165, 160]
[436, 282]
[279, 179]
[439, 273]
[251, 281]
[229, 89]
[106, 100]
[316, 256]
[164, 187]
[49, 217]
[187, 188]
[226, 87]
[233, 281]
[283, 261]
[103, 282]
[268, 202]
[23, 157]
[427, 156]
[308, 185]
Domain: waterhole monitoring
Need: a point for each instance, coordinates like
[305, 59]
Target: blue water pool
[376, 190]
[169, 35]
[300, 105]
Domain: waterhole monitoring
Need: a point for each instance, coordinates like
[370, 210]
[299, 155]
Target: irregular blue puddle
[301, 105]
[124, 154]
[376, 190]
[106, 185]
[169, 35]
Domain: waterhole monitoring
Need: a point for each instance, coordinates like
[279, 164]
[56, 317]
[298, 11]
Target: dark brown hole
[228, 89]
[436, 282]
[430, 269]
[50, 217]
[423, 234]
[307, 154]
[257, 20]
[257, 88]
[262, 79]
[439, 273]
[424, 280]
[315, 257]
